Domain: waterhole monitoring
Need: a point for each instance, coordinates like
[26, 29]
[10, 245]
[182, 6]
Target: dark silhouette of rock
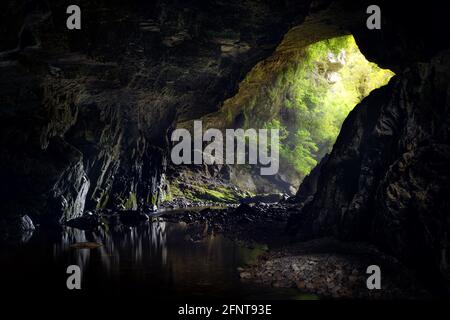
[87, 221]
[131, 217]
[386, 179]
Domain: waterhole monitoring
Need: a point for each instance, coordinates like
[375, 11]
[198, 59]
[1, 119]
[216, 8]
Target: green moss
[175, 192]
[131, 202]
[198, 192]
[103, 201]
[250, 256]
[306, 296]
[154, 199]
[167, 197]
[220, 194]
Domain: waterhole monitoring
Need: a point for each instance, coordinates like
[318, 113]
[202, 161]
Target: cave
[88, 179]
[305, 90]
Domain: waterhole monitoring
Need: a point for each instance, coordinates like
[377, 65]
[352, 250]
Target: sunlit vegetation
[310, 97]
[192, 191]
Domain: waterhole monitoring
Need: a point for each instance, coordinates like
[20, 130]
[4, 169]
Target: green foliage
[311, 97]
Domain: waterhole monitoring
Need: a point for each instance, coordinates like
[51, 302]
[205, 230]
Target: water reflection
[147, 239]
[156, 259]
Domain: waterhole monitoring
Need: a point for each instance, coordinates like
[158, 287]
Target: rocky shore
[247, 220]
[331, 269]
[326, 267]
[258, 223]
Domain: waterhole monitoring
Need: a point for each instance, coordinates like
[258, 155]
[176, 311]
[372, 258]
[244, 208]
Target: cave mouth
[306, 92]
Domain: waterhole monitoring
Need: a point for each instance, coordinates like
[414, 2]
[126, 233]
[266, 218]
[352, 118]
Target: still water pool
[154, 259]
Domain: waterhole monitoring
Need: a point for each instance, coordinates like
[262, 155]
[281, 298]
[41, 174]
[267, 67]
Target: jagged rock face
[386, 180]
[85, 114]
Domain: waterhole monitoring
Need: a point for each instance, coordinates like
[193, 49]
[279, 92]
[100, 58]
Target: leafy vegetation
[309, 99]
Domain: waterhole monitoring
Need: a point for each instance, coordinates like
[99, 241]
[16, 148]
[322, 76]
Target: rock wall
[386, 180]
[85, 113]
